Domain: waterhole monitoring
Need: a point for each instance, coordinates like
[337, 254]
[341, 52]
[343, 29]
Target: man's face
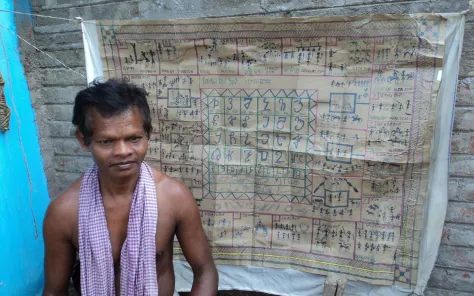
[118, 144]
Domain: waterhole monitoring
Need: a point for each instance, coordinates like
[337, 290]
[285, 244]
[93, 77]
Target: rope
[5, 113]
[23, 153]
[77, 20]
[51, 57]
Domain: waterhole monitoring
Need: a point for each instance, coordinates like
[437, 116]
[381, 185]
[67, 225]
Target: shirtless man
[114, 124]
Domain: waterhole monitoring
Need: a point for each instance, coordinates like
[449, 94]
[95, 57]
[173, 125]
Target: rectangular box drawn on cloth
[304, 141]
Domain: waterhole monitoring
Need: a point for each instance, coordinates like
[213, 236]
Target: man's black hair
[109, 99]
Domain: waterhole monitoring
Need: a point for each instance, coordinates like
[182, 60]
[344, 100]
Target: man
[113, 216]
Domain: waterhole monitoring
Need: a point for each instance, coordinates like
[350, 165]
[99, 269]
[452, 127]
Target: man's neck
[117, 188]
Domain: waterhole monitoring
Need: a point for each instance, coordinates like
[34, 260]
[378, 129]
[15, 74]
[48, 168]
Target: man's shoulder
[65, 206]
[174, 195]
[61, 217]
[169, 187]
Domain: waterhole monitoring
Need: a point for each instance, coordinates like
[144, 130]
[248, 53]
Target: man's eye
[105, 142]
[134, 139]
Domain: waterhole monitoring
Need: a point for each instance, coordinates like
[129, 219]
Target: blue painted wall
[23, 190]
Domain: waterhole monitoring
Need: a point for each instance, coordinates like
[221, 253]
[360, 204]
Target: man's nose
[122, 148]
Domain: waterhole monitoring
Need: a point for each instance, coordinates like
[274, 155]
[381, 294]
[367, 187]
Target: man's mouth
[123, 165]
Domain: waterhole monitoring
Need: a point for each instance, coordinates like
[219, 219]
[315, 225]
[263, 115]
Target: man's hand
[193, 242]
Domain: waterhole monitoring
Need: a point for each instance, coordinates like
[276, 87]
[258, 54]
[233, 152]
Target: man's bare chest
[117, 225]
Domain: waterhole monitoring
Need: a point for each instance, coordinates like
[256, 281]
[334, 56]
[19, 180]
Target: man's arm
[193, 242]
[59, 251]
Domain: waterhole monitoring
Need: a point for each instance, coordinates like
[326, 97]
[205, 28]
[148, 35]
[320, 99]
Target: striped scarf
[138, 254]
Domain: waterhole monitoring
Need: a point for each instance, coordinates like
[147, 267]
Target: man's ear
[80, 138]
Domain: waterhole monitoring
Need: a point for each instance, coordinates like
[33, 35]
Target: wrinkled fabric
[137, 258]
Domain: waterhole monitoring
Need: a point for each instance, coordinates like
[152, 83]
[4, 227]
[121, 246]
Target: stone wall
[53, 89]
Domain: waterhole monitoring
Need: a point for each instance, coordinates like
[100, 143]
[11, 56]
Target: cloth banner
[312, 145]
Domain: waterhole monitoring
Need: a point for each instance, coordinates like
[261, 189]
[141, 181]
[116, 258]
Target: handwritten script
[304, 141]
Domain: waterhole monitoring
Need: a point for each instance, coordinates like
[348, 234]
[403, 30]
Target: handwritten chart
[306, 142]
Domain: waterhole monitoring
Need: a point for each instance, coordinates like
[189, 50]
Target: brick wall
[53, 89]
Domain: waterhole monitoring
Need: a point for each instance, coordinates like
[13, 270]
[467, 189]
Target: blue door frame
[23, 189]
